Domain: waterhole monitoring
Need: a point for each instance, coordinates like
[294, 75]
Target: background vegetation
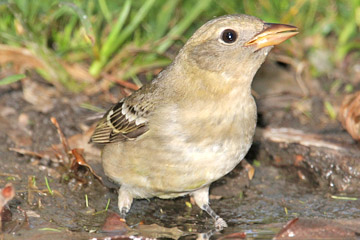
[84, 45]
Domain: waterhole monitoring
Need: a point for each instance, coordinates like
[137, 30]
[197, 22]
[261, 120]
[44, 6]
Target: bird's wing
[124, 121]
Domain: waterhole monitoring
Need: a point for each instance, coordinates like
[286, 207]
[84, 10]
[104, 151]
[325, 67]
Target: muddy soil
[254, 209]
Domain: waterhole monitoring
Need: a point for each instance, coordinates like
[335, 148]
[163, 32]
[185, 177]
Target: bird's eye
[229, 36]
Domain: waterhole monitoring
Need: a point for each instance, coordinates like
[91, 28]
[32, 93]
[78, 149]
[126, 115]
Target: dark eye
[229, 36]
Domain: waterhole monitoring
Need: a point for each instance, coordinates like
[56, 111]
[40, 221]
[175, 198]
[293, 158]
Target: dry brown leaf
[115, 223]
[74, 156]
[6, 194]
[22, 58]
[80, 161]
[350, 114]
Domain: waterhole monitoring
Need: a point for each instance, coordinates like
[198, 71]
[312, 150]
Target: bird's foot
[124, 201]
[123, 213]
[220, 224]
[201, 197]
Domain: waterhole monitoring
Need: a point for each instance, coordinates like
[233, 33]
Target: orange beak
[272, 34]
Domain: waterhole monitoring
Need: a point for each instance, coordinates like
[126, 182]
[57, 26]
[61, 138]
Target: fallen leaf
[80, 161]
[6, 194]
[22, 58]
[115, 223]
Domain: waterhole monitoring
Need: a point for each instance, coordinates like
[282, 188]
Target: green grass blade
[48, 186]
[105, 10]
[183, 25]
[330, 110]
[109, 45]
[163, 18]
[83, 19]
[11, 79]
[140, 15]
[112, 45]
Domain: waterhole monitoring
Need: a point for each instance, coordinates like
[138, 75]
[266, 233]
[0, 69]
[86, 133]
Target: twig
[27, 152]
[62, 137]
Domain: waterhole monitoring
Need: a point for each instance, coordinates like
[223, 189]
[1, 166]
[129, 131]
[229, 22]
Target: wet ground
[255, 209]
[273, 198]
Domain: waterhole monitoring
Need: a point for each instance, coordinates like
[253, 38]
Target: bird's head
[234, 45]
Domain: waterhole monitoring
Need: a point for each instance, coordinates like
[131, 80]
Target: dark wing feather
[122, 122]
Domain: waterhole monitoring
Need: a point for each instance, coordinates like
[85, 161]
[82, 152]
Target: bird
[195, 121]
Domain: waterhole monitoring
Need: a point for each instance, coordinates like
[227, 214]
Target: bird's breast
[212, 137]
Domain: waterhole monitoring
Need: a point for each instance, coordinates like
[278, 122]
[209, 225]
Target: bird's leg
[201, 198]
[124, 201]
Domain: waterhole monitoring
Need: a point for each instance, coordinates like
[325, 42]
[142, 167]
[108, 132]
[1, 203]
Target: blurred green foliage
[137, 35]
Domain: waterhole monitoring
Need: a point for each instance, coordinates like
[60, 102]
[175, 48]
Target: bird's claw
[123, 212]
[220, 224]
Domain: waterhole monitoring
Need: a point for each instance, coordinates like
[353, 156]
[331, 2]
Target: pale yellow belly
[180, 169]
